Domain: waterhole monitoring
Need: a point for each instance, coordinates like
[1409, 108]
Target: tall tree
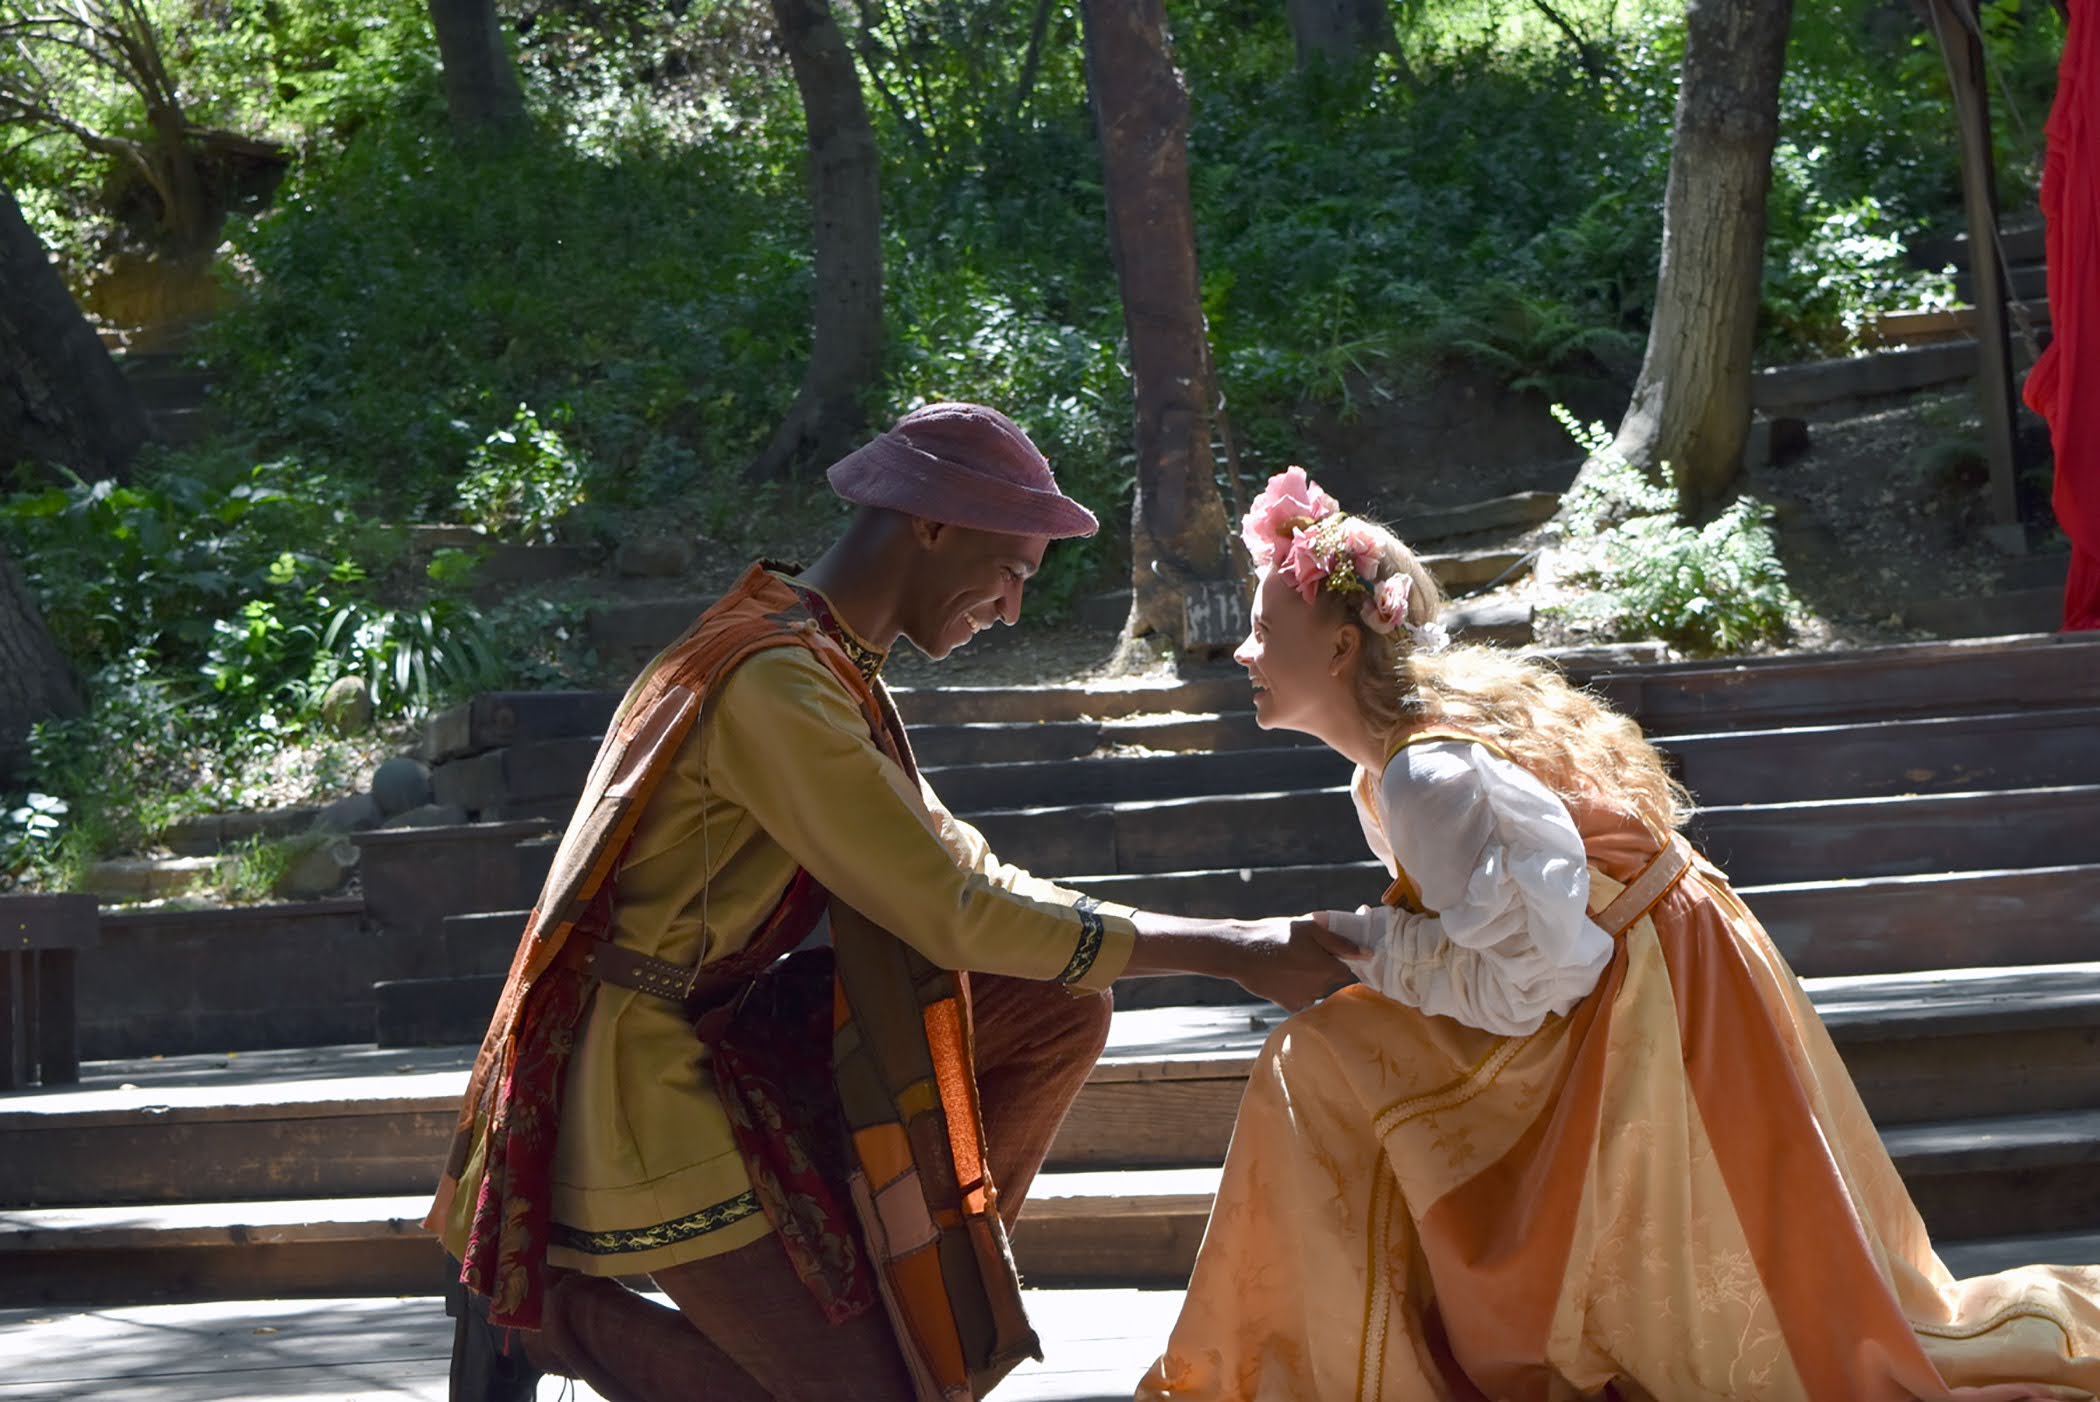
[1691, 404]
[35, 682]
[54, 49]
[62, 399]
[1337, 33]
[481, 86]
[845, 202]
[1178, 528]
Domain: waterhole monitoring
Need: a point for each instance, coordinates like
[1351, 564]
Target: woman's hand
[1286, 960]
[1294, 963]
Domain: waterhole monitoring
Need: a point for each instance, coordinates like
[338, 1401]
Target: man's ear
[927, 532]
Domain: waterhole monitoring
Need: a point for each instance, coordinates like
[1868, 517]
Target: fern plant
[1705, 590]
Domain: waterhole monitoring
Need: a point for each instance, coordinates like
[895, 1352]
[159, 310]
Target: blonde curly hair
[1571, 741]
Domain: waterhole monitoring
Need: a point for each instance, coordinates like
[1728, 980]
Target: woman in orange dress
[1577, 1130]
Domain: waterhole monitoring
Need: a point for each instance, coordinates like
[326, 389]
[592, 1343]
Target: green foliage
[638, 267]
[252, 870]
[29, 837]
[226, 579]
[522, 481]
[412, 659]
[661, 295]
[1705, 590]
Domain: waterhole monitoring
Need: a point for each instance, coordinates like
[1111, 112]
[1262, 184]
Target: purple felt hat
[963, 465]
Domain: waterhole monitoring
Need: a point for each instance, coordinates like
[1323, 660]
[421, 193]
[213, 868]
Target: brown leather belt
[692, 988]
[626, 968]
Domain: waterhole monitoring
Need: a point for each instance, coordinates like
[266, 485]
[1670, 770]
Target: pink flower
[1387, 604]
[1363, 546]
[1302, 566]
[1290, 501]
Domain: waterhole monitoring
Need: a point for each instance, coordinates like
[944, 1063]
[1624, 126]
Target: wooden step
[1986, 615]
[1995, 1255]
[2015, 1175]
[975, 791]
[1757, 845]
[1501, 621]
[497, 718]
[1517, 512]
[1957, 920]
[2007, 750]
[1791, 388]
[349, 1349]
[173, 981]
[1220, 689]
[1833, 840]
[1979, 676]
[1926, 326]
[414, 877]
[1920, 1046]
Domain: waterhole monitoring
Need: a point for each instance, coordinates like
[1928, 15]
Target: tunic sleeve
[1508, 940]
[788, 744]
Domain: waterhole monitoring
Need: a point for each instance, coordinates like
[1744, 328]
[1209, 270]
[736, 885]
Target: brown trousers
[745, 1328]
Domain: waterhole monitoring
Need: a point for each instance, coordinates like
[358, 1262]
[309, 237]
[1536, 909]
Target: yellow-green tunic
[780, 773]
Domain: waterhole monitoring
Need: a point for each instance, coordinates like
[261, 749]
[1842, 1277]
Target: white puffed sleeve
[1496, 856]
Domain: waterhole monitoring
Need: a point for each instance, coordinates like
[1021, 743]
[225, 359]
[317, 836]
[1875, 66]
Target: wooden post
[40, 941]
[15, 1051]
[1955, 22]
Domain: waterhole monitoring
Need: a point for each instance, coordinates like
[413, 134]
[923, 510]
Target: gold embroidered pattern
[1452, 1096]
[632, 1239]
[1370, 1365]
[1996, 1321]
[1092, 931]
[866, 660]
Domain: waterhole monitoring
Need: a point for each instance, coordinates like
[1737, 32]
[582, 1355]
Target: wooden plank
[55, 921]
[1794, 387]
[1921, 1046]
[336, 1349]
[1962, 920]
[1515, 512]
[57, 1017]
[1933, 755]
[1956, 22]
[1830, 840]
[1137, 778]
[1945, 678]
[1824, 839]
[2007, 1175]
[1207, 689]
[1936, 754]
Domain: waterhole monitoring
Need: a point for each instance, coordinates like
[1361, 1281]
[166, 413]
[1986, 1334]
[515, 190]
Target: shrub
[522, 481]
[1715, 588]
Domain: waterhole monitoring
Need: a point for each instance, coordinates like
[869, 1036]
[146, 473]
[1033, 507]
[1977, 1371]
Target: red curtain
[2064, 386]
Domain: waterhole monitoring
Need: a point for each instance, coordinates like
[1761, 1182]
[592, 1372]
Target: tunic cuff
[1106, 938]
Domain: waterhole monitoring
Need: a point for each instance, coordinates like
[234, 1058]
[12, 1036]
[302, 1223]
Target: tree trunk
[481, 86]
[1178, 528]
[35, 682]
[845, 205]
[1691, 404]
[186, 215]
[1338, 33]
[62, 399]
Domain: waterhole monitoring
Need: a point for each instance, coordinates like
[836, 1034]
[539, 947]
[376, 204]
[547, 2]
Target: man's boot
[487, 1364]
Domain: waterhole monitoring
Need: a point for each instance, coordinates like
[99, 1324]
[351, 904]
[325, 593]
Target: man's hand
[1291, 962]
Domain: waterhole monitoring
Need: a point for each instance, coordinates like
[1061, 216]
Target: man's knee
[1092, 1014]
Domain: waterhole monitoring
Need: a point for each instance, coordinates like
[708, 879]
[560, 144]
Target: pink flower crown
[1297, 529]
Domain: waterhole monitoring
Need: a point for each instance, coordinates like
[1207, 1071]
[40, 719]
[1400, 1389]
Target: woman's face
[1294, 657]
